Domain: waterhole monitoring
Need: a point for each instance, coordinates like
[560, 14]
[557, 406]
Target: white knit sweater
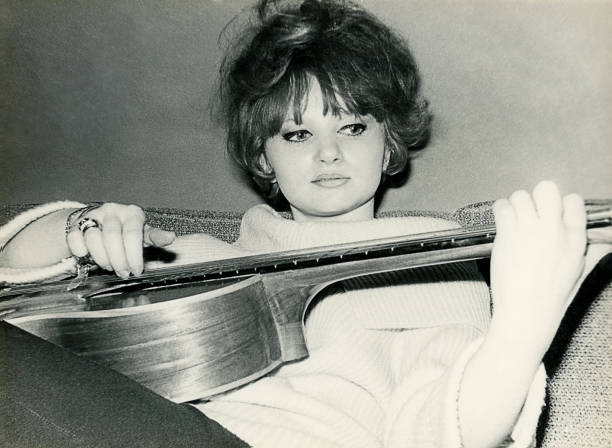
[386, 351]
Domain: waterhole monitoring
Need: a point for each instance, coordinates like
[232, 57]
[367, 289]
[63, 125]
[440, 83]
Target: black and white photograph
[306, 223]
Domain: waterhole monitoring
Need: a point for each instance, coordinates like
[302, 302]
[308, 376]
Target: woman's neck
[364, 212]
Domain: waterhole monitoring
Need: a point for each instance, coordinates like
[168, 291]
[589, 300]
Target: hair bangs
[289, 98]
[333, 102]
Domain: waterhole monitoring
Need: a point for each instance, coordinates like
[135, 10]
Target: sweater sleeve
[61, 269]
[523, 434]
[424, 405]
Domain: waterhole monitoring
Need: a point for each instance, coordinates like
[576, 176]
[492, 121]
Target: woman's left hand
[538, 259]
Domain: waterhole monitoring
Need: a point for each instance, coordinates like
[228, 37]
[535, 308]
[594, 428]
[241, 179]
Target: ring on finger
[86, 223]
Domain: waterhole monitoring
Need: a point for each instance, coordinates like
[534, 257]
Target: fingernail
[123, 274]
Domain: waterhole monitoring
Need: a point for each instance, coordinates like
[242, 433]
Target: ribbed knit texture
[387, 351]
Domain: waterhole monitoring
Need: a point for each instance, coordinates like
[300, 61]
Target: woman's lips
[331, 180]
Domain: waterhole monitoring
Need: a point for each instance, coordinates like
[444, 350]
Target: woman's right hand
[117, 244]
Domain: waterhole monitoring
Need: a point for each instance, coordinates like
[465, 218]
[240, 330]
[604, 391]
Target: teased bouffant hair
[353, 56]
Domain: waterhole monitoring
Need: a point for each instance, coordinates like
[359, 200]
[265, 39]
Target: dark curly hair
[353, 56]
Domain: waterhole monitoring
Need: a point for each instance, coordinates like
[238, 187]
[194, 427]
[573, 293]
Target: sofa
[578, 411]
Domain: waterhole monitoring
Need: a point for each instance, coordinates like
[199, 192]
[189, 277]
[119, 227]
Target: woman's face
[328, 167]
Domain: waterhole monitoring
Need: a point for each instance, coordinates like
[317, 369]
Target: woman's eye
[297, 136]
[353, 129]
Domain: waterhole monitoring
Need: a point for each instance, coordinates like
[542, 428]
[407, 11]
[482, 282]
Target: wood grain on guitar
[194, 331]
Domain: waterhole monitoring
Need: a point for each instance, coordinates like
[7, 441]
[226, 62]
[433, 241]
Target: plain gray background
[108, 100]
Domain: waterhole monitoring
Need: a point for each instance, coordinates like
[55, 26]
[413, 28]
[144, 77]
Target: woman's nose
[329, 151]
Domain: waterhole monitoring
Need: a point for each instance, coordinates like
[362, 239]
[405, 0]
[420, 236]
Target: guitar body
[196, 339]
[182, 349]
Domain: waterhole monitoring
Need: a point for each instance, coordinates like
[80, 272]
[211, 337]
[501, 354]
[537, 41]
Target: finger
[574, 212]
[133, 241]
[112, 238]
[600, 236]
[76, 243]
[128, 303]
[146, 237]
[575, 219]
[142, 299]
[505, 218]
[524, 207]
[158, 237]
[547, 198]
[95, 247]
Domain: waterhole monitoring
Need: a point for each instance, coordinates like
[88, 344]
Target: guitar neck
[429, 248]
[477, 237]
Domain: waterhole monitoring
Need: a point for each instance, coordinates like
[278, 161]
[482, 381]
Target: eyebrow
[343, 115]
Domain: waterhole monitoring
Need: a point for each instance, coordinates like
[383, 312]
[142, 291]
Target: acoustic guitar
[194, 331]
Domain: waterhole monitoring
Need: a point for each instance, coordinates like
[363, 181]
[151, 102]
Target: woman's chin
[334, 212]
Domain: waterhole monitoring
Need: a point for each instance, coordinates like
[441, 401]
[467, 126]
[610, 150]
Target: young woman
[322, 104]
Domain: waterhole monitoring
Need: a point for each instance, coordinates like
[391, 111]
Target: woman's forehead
[315, 99]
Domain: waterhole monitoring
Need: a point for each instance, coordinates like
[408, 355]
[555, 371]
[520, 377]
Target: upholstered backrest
[579, 362]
